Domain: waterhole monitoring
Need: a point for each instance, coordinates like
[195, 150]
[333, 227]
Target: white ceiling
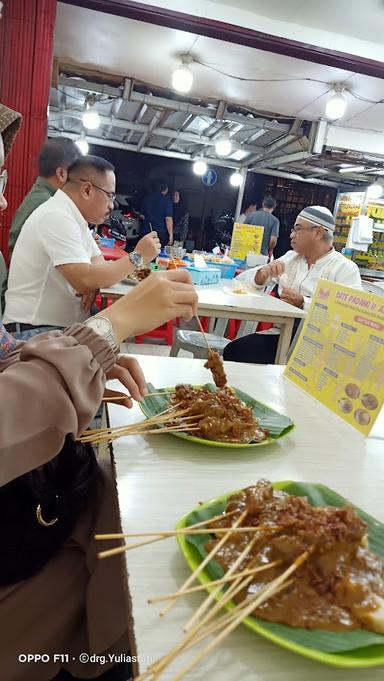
[288, 89]
[344, 25]
[116, 45]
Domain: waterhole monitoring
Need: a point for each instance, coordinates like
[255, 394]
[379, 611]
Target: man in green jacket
[56, 155]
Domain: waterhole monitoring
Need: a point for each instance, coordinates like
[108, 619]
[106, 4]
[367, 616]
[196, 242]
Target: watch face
[100, 325]
[137, 259]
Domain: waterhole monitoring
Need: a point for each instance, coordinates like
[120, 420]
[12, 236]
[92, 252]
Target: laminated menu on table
[339, 356]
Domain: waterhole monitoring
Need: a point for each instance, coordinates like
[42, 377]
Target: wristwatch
[136, 259]
[103, 327]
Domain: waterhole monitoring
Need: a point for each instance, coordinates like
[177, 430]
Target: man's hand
[275, 268]
[271, 271]
[158, 298]
[128, 371]
[149, 246]
[289, 295]
[87, 300]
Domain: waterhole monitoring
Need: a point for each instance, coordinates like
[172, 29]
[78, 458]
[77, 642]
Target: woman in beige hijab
[56, 599]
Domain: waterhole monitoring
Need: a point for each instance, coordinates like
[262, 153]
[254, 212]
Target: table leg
[284, 339]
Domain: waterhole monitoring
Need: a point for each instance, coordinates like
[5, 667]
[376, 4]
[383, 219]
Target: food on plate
[369, 401]
[224, 417]
[352, 390]
[341, 584]
[239, 291]
[345, 405]
[216, 365]
[143, 273]
[362, 417]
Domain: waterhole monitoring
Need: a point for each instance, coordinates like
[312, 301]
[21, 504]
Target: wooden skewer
[155, 538]
[205, 562]
[189, 530]
[204, 336]
[217, 624]
[114, 398]
[227, 596]
[254, 602]
[156, 431]
[121, 535]
[208, 585]
[211, 596]
[225, 619]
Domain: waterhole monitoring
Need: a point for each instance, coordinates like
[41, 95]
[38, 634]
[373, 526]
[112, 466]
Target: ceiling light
[91, 119]
[351, 169]
[336, 107]
[83, 145]
[182, 77]
[223, 145]
[200, 167]
[236, 179]
[375, 190]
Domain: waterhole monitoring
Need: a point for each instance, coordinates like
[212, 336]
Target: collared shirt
[55, 234]
[41, 191]
[303, 278]
[261, 218]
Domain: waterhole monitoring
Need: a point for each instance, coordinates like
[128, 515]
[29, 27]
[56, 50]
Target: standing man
[264, 218]
[158, 213]
[55, 157]
[57, 267]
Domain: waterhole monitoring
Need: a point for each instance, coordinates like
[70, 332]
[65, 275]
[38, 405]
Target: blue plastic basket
[204, 275]
[227, 271]
[109, 243]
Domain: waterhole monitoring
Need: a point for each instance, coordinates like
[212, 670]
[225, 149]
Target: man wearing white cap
[296, 273]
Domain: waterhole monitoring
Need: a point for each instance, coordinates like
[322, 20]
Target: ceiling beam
[174, 104]
[292, 176]
[145, 129]
[285, 158]
[239, 35]
[145, 150]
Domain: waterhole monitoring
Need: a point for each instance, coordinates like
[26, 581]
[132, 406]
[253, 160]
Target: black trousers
[254, 349]
[258, 348]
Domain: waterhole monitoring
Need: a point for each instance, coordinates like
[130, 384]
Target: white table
[161, 477]
[217, 301]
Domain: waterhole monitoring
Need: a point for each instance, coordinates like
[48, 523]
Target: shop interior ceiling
[273, 109]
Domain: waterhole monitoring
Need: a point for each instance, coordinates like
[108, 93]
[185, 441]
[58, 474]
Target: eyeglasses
[3, 181]
[302, 229]
[111, 195]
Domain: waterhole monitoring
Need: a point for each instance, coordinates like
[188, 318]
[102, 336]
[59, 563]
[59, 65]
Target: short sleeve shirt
[55, 234]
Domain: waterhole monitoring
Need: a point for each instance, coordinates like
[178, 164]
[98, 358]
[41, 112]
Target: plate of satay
[294, 562]
[306, 572]
[215, 415]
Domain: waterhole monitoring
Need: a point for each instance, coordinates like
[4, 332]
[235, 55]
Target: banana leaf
[277, 424]
[357, 648]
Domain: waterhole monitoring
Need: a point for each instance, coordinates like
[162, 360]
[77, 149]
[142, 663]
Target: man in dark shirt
[56, 155]
[158, 212]
[264, 218]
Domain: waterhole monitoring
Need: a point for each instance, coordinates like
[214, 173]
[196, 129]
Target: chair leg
[175, 349]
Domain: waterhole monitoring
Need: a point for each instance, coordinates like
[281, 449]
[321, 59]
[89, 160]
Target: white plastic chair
[194, 342]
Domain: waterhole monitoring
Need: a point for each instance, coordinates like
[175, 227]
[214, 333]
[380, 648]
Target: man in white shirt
[56, 266]
[296, 273]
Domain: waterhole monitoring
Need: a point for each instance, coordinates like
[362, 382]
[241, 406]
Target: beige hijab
[10, 122]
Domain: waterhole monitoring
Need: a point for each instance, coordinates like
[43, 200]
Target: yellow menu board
[339, 356]
[245, 239]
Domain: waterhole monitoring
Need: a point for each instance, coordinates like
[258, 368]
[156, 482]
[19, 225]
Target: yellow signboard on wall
[339, 356]
[246, 239]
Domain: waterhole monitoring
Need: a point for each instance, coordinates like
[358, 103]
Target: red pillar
[26, 48]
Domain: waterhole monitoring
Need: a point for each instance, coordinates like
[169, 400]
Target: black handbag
[39, 510]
